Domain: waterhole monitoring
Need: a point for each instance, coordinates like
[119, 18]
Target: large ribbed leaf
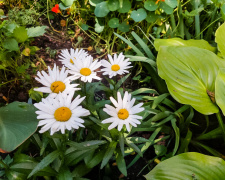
[190, 74]
[220, 39]
[220, 89]
[18, 122]
[180, 42]
[189, 166]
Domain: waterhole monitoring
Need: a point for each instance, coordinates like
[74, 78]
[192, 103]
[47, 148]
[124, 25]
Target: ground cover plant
[137, 93]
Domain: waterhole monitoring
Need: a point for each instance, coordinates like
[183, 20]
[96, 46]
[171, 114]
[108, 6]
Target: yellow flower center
[62, 114]
[71, 61]
[85, 71]
[115, 67]
[123, 114]
[58, 86]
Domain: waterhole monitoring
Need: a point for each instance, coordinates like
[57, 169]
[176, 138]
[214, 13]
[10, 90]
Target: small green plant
[23, 17]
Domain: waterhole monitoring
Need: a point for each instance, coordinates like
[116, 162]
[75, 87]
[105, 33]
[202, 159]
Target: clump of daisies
[59, 111]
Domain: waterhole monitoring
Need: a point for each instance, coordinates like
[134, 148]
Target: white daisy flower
[67, 57]
[56, 81]
[60, 113]
[123, 113]
[116, 65]
[84, 69]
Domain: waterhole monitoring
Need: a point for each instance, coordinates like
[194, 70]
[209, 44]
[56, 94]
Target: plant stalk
[197, 21]
[220, 120]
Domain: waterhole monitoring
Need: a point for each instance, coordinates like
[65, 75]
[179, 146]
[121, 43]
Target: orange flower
[158, 1]
[56, 9]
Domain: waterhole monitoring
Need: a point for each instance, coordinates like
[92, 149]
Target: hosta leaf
[190, 74]
[220, 39]
[17, 123]
[219, 90]
[101, 9]
[138, 15]
[189, 166]
[180, 42]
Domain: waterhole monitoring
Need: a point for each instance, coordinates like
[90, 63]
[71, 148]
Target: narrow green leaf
[121, 163]
[134, 147]
[143, 45]
[177, 136]
[96, 159]
[121, 81]
[65, 174]
[108, 153]
[45, 162]
[139, 53]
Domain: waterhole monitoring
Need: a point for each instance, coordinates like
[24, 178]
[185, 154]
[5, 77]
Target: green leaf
[45, 162]
[96, 159]
[101, 9]
[108, 154]
[113, 23]
[150, 5]
[84, 27]
[125, 6]
[36, 31]
[20, 34]
[124, 27]
[95, 2]
[166, 8]
[143, 45]
[152, 17]
[219, 89]
[62, 7]
[139, 53]
[138, 15]
[180, 42]
[188, 78]
[220, 39]
[160, 150]
[121, 163]
[65, 174]
[11, 44]
[80, 170]
[113, 5]
[99, 26]
[67, 2]
[189, 166]
[171, 3]
[17, 123]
